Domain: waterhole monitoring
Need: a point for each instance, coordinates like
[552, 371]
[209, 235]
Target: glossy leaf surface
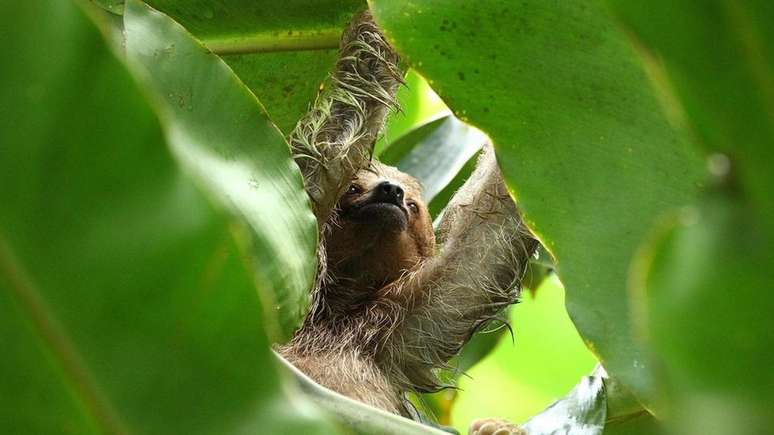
[219, 131]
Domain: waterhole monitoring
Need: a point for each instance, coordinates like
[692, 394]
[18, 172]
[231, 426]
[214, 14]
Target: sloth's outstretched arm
[335, 139]
[476, 275]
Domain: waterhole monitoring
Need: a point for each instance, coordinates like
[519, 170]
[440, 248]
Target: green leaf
[246, 26]
[714, 65]
[706, 283]
[113, 6]
[125, 304]
[435, 152]
[220, 133]
[282, 53]
[285, 82]
[579, 137]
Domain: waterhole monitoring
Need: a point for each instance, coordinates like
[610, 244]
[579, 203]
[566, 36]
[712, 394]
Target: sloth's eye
[413, 206]
[353, 188]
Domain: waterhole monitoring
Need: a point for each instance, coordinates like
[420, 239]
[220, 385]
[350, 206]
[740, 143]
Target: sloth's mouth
[384, 206]
[387, 213]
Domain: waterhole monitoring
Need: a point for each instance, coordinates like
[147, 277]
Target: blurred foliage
[704, 279]
[126, 303]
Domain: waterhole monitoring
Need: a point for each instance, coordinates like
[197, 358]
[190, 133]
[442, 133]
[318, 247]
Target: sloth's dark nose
[388, 192]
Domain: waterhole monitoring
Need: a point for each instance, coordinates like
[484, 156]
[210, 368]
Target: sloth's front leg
[335, 139]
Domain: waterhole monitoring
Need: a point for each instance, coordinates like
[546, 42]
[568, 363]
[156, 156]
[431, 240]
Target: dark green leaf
[125, 305]
[285, 82]
[264, 25]
[579, 136]
[639, 424]
[247, 32]
[708, 278]
[282, 53]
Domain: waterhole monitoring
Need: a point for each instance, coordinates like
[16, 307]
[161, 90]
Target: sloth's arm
[335, 139]
[485, 249]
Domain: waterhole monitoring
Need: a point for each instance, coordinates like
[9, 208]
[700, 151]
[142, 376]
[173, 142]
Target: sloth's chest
[350, 373]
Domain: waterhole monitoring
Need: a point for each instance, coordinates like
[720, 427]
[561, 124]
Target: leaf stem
[271, 42]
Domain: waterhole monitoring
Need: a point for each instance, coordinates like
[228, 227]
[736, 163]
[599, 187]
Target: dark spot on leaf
[461, 75]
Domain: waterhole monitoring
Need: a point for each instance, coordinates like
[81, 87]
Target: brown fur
[372, 252]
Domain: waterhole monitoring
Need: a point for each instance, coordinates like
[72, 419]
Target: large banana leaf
[579, 136]
[705, 295]
[125, 303]
[705, 280]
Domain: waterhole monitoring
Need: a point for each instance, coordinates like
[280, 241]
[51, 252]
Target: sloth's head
[383, 228]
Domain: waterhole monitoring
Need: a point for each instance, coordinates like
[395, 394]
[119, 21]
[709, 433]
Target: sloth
[393, 301]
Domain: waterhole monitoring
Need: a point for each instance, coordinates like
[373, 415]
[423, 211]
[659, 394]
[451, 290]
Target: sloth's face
[380, 200]
[384, 227]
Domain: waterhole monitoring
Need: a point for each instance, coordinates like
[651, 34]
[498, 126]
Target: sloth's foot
[492, 426]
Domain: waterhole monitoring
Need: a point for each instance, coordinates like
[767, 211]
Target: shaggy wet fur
[393, 302]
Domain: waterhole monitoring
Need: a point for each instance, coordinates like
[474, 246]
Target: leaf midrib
[57, 341]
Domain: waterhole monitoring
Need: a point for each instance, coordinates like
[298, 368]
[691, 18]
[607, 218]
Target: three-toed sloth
[393, 301]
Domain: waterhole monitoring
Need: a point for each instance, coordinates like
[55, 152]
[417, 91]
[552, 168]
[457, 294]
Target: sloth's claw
[492, 426]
